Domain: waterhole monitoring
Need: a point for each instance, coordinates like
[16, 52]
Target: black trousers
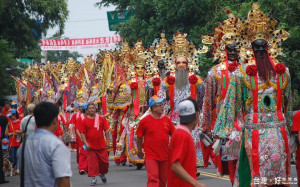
[2, 176]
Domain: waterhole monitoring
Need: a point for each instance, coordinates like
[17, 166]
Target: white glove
[233, 135]
[216, 147]
[131, 124]
[124, 121]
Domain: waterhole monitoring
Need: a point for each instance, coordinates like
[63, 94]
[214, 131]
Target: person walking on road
[92, 128]
[155, 129]
[182, 154]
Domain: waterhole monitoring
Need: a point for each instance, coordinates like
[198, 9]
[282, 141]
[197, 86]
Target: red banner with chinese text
[79, 43]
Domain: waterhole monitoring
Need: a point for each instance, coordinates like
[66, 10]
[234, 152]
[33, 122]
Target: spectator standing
[14, 134]
[3, 124]
[92, 128]
[22, 110]
[29, 130]
[182, 154]
[155, 129]
[6, 108]
[47, 161]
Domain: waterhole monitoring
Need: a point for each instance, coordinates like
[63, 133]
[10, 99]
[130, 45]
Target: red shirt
[296, 128]
[73, 118]
[93, 136]
[76, 120]
[59, 130]
[156, 134]
[4, 111]
[13, 126]
[182, 150]
[79, 123]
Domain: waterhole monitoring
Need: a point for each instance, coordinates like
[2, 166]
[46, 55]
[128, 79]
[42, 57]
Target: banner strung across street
[79, 43]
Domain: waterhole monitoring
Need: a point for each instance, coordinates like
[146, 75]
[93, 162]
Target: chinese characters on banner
[79, 43]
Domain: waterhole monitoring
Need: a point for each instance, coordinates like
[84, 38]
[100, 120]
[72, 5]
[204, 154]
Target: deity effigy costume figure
[183, 83]
[262, 89]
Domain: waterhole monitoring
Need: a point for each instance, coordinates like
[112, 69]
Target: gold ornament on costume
[89, 63]
[139, 50]
[72, 66]
[141, 58]
[260, 26]
[162, 49]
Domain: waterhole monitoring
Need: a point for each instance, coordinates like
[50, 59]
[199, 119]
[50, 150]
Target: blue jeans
[13, 155]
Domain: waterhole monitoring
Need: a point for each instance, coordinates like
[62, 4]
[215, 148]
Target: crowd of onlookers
[17, 123]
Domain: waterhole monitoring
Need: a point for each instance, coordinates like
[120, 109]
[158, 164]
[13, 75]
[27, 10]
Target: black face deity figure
[263, 63]
[232, 52]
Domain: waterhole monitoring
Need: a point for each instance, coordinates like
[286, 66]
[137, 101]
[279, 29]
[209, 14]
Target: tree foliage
[21, 25]
[62, 56]
[23, 22]
[199, 17]
[8, 66]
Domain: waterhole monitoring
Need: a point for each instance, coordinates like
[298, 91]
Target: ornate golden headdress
[260, 26]
[162, 49]
[227, 32]
[181, 47]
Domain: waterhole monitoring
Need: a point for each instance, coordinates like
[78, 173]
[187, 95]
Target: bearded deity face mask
[259, 46]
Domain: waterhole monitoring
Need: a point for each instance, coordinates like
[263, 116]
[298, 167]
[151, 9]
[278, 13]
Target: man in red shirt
[296, 129]
[82, 154]
[182, 154]
[72, 128]
[155, 128]
[61, 123]
[92, 128]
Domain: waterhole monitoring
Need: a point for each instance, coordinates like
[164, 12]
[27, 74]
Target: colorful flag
[72, 90]
[47, 85]
[31, 89]
[21, 89]
[55, 83]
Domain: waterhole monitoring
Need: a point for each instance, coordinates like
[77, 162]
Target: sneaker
[94, 181]
[81, 172]
[197, 173]
[123, 163]
[103, 178]
[139, 166]
[17, 172]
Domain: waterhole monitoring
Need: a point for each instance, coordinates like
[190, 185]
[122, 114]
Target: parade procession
[150, 111]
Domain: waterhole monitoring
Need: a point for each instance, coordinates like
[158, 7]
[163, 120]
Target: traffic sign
[115, 17]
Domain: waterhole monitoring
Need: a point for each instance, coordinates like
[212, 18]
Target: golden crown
[181, 47]
[162, 49]
[260, 26]
[227, 32]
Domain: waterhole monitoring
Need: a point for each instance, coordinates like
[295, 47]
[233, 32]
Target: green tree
[21, 26]
[8, 66]
[23, 22]
[199, 17]
[62, 56]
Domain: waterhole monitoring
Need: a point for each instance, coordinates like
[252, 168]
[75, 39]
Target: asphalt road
[125, 176]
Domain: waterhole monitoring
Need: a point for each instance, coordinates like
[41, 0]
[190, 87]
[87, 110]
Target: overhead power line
[86, 20]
